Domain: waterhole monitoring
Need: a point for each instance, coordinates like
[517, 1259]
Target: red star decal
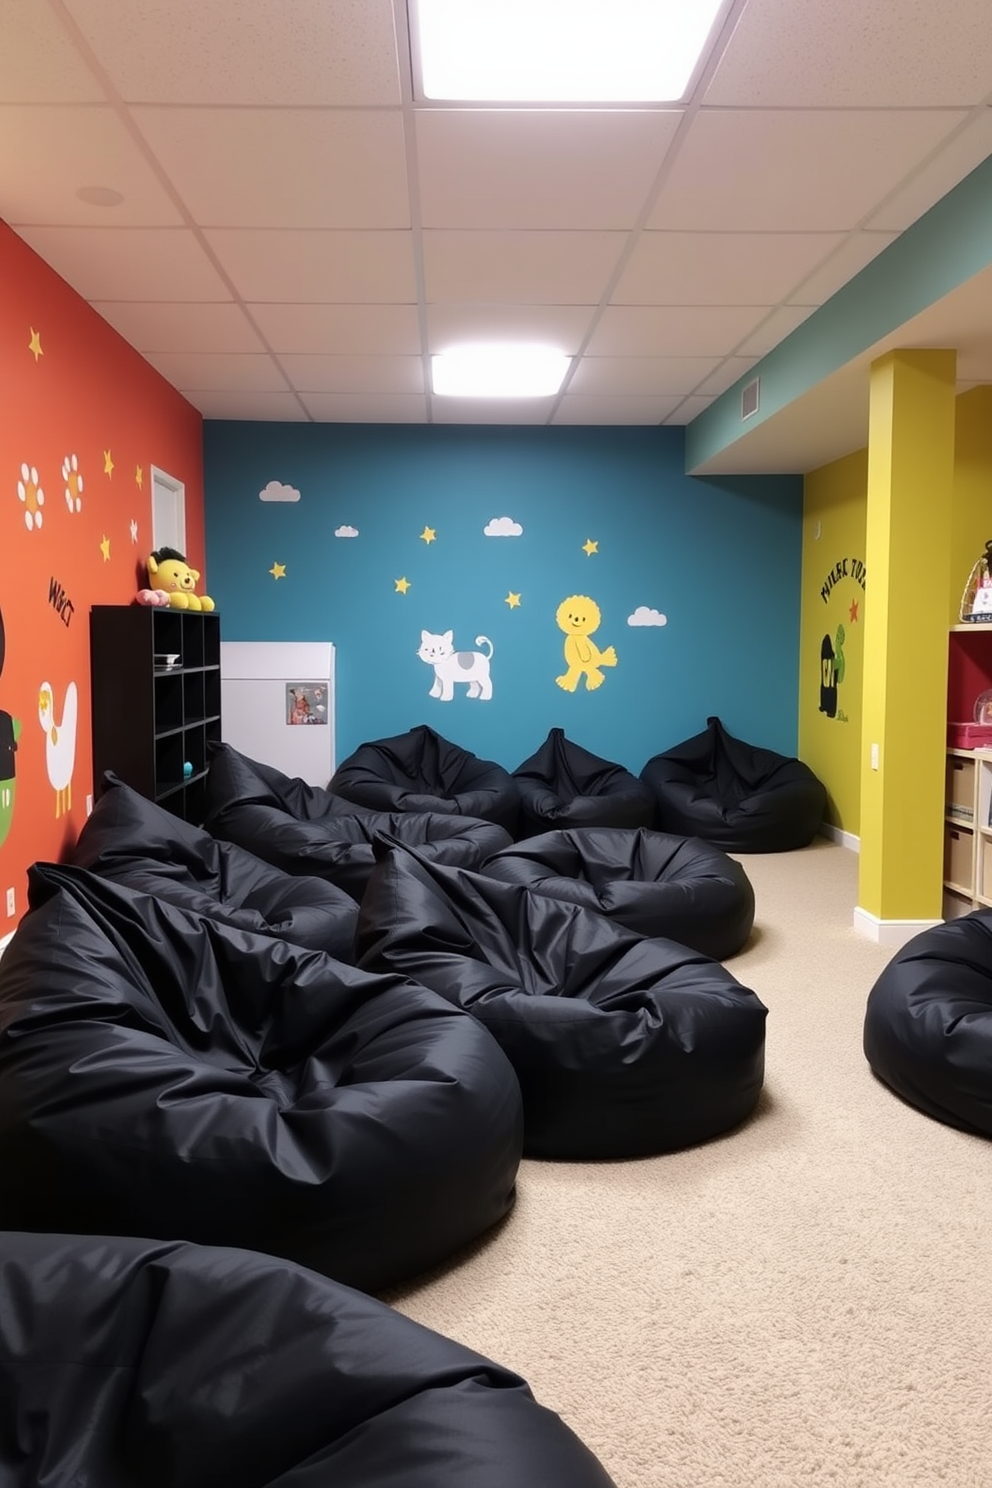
[854, 610]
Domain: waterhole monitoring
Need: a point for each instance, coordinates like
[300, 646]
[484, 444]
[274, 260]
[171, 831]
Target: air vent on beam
[749, 398]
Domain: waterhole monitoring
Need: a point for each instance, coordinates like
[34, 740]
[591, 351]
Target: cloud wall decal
[277, 491]
[346, 532]
[502, 527]
[644, 615]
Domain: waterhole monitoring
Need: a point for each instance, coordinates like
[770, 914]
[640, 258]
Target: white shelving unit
[968, 831]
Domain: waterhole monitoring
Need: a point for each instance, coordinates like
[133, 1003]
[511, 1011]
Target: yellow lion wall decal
[578, 616]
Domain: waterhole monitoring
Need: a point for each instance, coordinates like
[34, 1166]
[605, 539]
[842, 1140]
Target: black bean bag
[301, 828]
[677, 887]
[420, 771]
[133, 841]
[743, 798]
[928, 1022]
[563, 785]
[129, 1363]
[623, 1045]
[165, 1074]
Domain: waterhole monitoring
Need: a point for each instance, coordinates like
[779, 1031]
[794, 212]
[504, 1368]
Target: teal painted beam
[943, 249]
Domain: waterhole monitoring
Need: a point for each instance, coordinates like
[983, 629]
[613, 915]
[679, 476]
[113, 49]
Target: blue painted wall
[718, 558]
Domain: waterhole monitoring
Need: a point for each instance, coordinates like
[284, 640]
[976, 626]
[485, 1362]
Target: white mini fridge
[277, 704]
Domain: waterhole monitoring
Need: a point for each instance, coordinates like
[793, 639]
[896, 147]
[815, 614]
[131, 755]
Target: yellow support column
[907, 556]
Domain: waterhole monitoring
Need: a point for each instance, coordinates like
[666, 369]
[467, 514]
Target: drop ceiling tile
[47, 154]
[39, 62]
[849, 54]
[219, 371]
[854, 254]
[181, 328]
[672, 330]
[286, 168]
[343, 330]
[956, 160]
[318, 267]
[490, 410]
[522, 268]
[128, 263]
[678, 268]
[354, 374]
[774, 328]
[263, 407]
[262, 52]
[584, 408]
[508, 169]
[641, 375]
[352, 408]
[791, 170]
[562, 326]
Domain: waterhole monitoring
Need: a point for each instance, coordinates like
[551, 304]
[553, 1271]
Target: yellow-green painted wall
[834, 593]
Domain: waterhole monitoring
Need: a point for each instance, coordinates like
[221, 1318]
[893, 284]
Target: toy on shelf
[170, 575]
[976, 601]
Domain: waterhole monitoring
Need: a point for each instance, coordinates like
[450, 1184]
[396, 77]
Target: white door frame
[168, 511]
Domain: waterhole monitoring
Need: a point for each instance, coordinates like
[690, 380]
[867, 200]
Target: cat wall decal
[451, 666]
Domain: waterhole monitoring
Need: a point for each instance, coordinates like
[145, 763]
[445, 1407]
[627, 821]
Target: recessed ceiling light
[499, 371]
[559, 51]
[100, 196]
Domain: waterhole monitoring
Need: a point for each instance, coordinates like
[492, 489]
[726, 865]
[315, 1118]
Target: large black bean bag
[165, 1074]
[656, 884]
[623, 1045]
[563, 785]
[127, 1363]
[301, 828]
[420, 771]
[928, 1022]
[135, 842]
[743, 798]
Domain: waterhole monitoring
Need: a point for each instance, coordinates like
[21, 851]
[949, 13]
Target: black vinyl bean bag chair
[303, 829]
[623, 1045]
[133, 841]
[656, 884]
[165, 1074]
[563, 785]
[420, 771]
[127, 1363]
[743, 798]
[928, 1022]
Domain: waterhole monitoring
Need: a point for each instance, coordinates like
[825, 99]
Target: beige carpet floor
[804, 1301]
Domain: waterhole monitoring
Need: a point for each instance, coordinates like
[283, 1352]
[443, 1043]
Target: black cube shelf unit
[152, 718]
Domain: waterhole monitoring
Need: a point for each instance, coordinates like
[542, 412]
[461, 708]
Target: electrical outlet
[89, 805]
[11, 903]
[874, 756]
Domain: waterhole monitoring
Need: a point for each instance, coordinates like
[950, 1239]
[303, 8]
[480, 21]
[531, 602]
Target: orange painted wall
[80, 412]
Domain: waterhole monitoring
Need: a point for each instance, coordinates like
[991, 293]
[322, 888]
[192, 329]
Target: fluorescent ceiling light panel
[500, 371]
[560, 51]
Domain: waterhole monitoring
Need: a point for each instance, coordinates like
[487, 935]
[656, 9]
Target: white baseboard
[889, 932]
[846, 839]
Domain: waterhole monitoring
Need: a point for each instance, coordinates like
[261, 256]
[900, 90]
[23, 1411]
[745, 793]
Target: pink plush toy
[152, 597]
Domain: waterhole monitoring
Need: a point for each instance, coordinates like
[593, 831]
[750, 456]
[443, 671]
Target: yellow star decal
[108, 464]
[105, 548]
[428, 535]
[278, 570]
[34, 345]
[513, 600]
[402, 585]
[139, 476]
[589, 547]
